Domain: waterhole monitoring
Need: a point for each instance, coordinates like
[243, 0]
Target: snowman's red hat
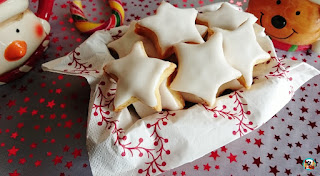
[10, 8]
[316, 1]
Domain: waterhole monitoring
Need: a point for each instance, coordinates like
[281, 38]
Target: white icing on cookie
[263, 40]
[191, 98]
[172, 25]
[143, 110]
[209, 8]
[124, 44]
[169, 101]
[226, 17]
[233, 85]
[169, 98]
[242, 50]
[203, 69]
[138, 78]
[202, 29]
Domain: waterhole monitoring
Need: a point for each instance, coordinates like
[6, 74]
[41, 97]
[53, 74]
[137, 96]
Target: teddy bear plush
[292, 25]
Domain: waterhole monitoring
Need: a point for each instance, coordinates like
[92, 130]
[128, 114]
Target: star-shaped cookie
[138, 78]
[170, 26]
[124, 44]
[226, 17]
[264, 40]
[242, 50]
[203, 69]
[170, 100]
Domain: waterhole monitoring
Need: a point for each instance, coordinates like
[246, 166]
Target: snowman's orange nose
[15, 51]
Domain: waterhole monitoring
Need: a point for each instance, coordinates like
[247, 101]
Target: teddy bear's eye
[17, 30]
[279, 2]
[298, 12]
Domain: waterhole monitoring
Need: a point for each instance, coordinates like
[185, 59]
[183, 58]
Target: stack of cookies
[180, 55]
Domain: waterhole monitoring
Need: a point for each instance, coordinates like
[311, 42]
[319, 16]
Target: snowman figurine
[23, 36]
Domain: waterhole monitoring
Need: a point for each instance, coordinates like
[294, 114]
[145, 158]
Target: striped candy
[85, 26]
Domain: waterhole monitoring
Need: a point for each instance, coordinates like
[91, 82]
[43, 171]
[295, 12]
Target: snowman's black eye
[298, 12]
[17, 30]
[278, 2]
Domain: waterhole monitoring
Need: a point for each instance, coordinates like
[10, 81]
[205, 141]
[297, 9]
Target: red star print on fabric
[14, 173]
[14, 135]
[76, 152]
[22, 161]
[224, 149]
[276, 137]
[11, 103]
[287, 156]
[258, 142]
[260, 132]
[312, 124]
[232, 158]
[20, 125]
[207, 167]
[42, 100]
[33, 145]
[68, 124]
[288, 171]
[257, 161]
[49, 153]
[13, 151]
[68, 165]
[51, 104]
[57, 160]
[66, 148]
[38, 163]
[270, 156]
[274, 170]
[299, 160]
[58, 91]
[245, 167]
[22, 110]
[47, 129]
[304, 109]
[248, 140]
[34, 112]
[214, 154]
[317, 149]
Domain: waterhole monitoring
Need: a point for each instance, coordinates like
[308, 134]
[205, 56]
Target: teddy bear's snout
[278, 22]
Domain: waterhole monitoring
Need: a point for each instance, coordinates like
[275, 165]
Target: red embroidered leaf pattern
[105, 102]
[238, 114]
[156, 155]
[280, 68]
[117, 35]
[154, 165]
[78, 67]
[281, 71]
